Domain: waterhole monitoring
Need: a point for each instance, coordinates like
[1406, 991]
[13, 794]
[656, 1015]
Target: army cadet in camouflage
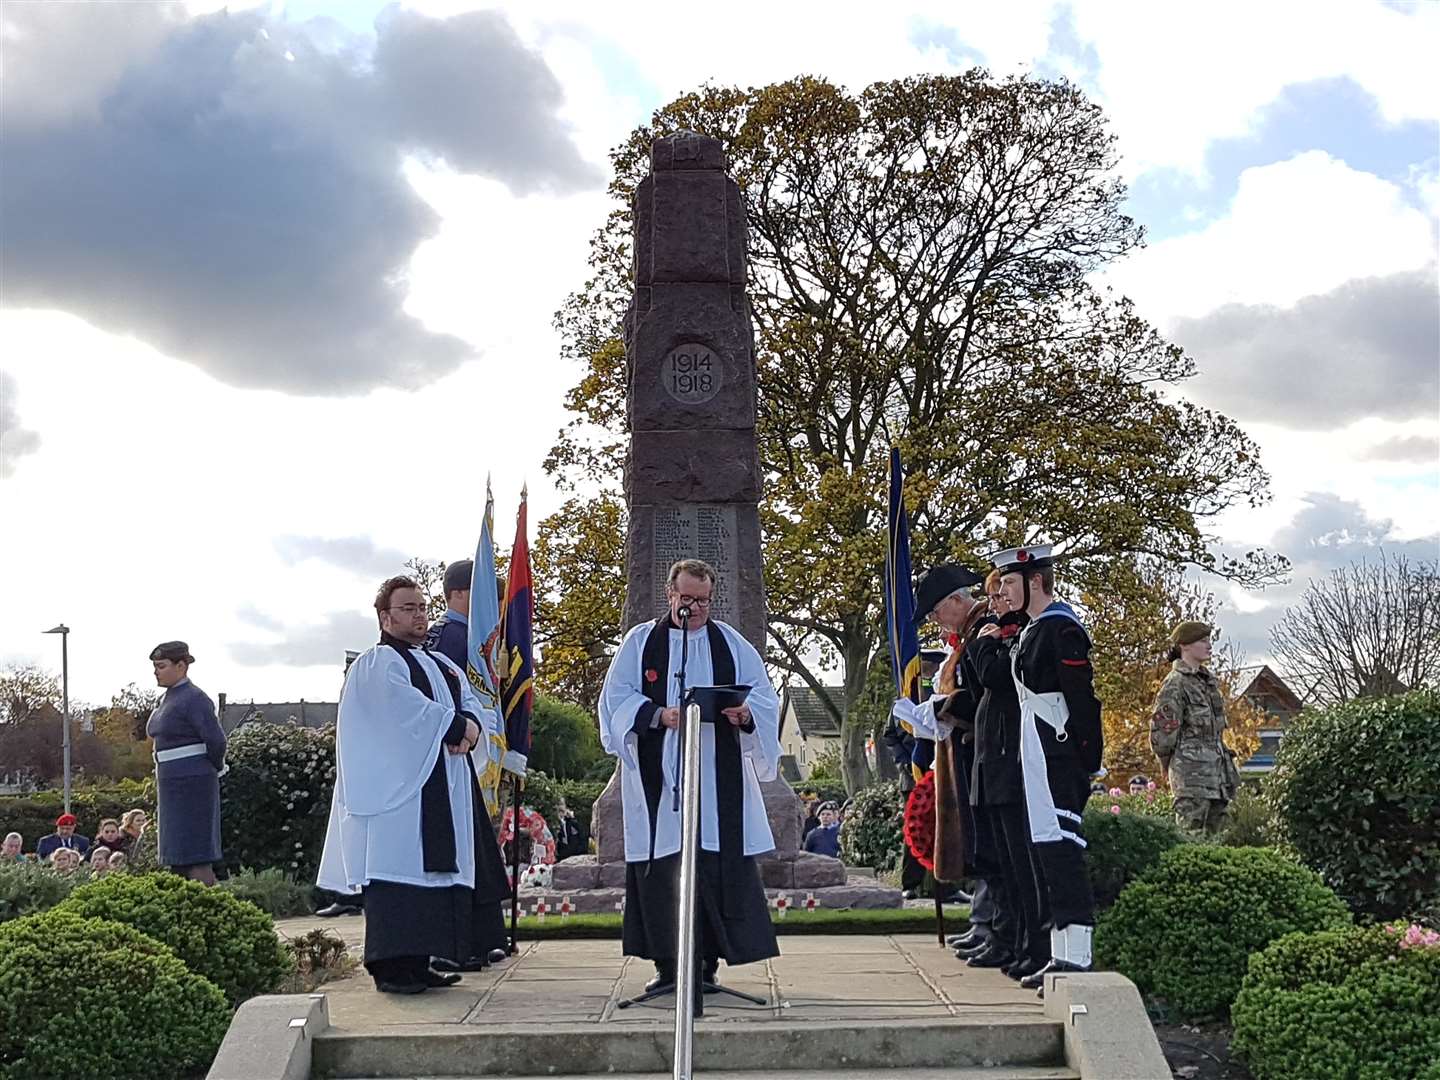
[1185, 733]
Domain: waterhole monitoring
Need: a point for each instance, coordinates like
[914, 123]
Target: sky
[260, 266]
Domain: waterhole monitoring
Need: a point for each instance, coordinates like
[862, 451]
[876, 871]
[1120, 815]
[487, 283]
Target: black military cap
[457, 576]
[940, 582]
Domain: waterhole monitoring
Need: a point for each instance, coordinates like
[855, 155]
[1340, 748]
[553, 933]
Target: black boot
[994, 957]
[664, 977]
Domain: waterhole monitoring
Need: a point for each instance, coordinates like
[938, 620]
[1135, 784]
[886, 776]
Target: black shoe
[910, 894]
[338, 908]
[971, 939]
[973, 950]
[495, 956]
[398, 986]
[955, 896]
[995, 957]
[436, 979]
[475, 963]
[1054, 967]
[664, 977]
[439, 963]
[1025, 967]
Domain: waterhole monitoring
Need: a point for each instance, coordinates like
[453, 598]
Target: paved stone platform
[874, 977]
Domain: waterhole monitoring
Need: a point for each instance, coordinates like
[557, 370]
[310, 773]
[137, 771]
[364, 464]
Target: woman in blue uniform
[189, 758]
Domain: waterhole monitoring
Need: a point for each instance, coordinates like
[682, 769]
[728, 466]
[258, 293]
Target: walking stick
[939, 917]
[515, 788]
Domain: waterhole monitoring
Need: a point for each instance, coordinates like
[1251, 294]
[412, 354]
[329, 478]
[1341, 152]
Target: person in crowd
[12, 850]
[407, 821]
[449, 634]
[1186, 733]
[100, 860]
[118, 861]
[189, 760]
[1139, 784]
[109, 834]
[824, 839]
[64, 836]
[572, 838]
[810, 803]
[132, 826]
[639, 721]
[1060, 747]
[65, 860]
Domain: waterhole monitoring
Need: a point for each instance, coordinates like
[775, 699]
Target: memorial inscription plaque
[694, 531]
[692, 374]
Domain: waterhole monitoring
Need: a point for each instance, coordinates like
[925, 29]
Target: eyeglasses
[701, 602]
[409, 609]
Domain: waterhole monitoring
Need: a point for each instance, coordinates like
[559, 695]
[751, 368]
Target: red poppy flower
[919, 821]
[651, 675]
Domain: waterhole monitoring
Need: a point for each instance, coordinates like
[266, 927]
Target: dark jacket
[824, 840]
[184, 716]
[996, 780]
[449, 637]
[1053, 655]
[49, 843]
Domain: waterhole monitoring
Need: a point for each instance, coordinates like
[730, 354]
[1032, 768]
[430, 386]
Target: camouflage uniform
[1185, 733]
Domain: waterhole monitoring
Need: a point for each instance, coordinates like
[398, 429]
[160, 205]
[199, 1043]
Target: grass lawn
[822, 921]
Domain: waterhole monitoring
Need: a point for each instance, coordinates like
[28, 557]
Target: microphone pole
[683, 614]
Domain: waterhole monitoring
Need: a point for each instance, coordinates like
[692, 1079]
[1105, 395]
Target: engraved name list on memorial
[697, 531]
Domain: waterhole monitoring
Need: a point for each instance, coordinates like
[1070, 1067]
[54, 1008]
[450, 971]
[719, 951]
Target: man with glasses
[639, 716]
[407, 823]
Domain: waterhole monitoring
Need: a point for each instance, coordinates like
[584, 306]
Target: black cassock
[734, 920]
[403, 921]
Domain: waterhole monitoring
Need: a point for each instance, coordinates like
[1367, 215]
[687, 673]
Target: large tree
[1366, 630]
[922, 258]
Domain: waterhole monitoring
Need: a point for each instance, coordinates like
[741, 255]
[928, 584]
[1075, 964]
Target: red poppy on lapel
[651, 675]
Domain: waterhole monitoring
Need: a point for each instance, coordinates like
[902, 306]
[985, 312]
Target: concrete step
[403, 1052]
[999, 1072]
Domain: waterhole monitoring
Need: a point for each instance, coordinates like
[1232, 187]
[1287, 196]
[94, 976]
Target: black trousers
[991, 868]
[1029, 906]
[1056, 790]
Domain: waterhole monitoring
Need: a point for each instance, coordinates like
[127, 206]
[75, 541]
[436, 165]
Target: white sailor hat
[1023, 559]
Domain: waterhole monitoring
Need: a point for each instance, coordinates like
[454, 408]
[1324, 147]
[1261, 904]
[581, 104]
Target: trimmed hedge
[277, 894]
[1122, 845]
[229, 941]
[28, 888]
[1356, 792]
[88, 999]
[33, 816]
[1353, 1004]
[275, 800]
[1185, 931]
[872, 833]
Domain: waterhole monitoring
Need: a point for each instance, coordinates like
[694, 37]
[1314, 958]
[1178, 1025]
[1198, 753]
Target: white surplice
[624, 695]
[387, 737]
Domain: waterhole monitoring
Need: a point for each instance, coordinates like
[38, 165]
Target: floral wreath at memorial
[542, 848]
[919, 826]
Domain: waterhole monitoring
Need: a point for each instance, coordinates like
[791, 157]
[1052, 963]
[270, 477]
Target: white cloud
[1295, 228]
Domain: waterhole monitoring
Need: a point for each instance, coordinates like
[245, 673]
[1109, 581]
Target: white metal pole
[686, 982]
[65, 705]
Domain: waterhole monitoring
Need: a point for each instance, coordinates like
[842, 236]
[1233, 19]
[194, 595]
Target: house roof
[811, 715]
[1260, 679]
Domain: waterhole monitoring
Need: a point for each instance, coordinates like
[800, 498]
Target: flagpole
[515, 789]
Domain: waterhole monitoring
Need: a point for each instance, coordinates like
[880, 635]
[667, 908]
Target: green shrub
[33, 816]
[1153, 803]
[1341, 1005]
[1356, 792]
[1184, 932]
[1248, 821]
[231, 942]
[88, 999]
[273, 891]
[1122, 844]
[564, 739]
[275, 800]
[27, 888]
[872, 833]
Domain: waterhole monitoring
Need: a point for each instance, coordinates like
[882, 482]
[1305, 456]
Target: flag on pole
[899, 592]
[483, 652]
[517, 688]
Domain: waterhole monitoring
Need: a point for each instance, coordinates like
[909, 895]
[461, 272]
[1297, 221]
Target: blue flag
[899, 592]
[483, 651]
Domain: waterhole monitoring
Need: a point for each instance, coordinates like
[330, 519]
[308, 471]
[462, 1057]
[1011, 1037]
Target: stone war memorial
[692, 477]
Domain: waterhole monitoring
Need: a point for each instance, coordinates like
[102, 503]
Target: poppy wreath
[533, 825]
[920, 821]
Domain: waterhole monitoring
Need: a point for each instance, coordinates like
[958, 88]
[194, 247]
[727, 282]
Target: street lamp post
[64, 632]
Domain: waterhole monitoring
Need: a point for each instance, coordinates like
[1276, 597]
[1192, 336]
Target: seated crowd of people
[66, 850]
